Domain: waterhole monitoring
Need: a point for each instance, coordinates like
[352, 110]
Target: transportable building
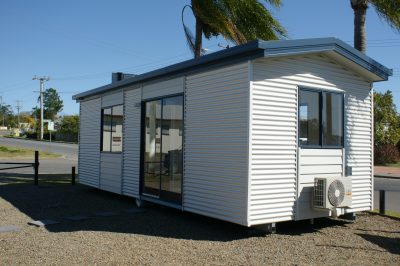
[264, 132]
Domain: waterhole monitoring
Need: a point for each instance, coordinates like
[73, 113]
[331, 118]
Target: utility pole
[2, 108]
[42, 80]
[18, 106]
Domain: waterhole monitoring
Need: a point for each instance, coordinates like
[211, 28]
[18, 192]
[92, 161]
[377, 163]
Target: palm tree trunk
[199, 39]
[360, 12]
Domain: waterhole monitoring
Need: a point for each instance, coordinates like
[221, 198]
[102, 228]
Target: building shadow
[56, 201]
[390, 244]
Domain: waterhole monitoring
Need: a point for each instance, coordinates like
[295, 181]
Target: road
[69, 151]
[62, 165]
[392, 188]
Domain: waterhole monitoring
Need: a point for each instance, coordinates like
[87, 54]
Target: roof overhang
[333, 47]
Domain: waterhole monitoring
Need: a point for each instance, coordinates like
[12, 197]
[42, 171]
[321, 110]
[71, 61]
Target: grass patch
[393, 164]
[14, 152]
[390, 213]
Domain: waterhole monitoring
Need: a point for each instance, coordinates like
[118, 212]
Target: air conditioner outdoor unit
[332, 192]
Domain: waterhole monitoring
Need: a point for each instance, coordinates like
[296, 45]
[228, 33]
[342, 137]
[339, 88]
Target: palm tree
[238, 21]
[388, 10]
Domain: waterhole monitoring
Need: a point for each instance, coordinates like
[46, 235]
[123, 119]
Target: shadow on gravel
[379, 231]
[305, 227]
[21, 178]
[59, 201]
[391, 244]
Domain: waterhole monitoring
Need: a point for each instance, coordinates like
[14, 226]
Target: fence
[35, 166]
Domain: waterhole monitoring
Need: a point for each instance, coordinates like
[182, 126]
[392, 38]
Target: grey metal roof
[252, 50]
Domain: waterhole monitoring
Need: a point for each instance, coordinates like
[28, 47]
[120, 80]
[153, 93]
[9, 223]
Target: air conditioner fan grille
[336, 193]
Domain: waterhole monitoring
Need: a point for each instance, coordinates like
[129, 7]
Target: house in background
[261, 133]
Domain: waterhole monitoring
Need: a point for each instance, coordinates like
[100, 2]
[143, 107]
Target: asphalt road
[69, 151]
[392, 188]
[61, 165]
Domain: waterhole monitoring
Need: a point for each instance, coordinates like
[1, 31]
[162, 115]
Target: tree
[386, 119]
[52, 105]
[69, 124]
[238, 21]
[7, 116]
[28, 119]
[388, 10]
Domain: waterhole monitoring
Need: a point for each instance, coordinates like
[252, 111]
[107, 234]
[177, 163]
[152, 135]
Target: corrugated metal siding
[216, 143]
[112, 99]
[131, 153]
[315, 163]
[89, 142]
[359, 143]
[110, 172]
[274, 128]
[273, 146]
[163, 88]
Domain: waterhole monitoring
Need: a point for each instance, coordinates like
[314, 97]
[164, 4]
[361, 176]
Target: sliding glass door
[162, 158]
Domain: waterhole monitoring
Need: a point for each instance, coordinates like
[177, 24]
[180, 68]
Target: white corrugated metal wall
[163, 88]
[111, 162]
[110, 172]
[89, 142]
[359, 144]
[273, 179]
[273, 145]
[216, 143]
[216, 165]
[315, 163]
[131, 150]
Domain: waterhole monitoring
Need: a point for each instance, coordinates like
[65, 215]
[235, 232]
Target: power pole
[2, 111]
[18, 106]
[42, 80]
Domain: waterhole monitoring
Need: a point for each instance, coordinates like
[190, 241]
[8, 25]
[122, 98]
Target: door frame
[158, 199]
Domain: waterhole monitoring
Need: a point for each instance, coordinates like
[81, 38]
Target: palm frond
[274, 3]
[237, 21]
[388, 10]
[190, 39]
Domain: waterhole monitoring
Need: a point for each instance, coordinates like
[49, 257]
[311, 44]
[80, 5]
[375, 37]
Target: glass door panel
[171, 166]
[152, 149]
[162, 169]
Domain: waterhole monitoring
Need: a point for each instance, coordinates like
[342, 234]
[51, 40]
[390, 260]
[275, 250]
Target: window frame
[111, 131]
[322, 97]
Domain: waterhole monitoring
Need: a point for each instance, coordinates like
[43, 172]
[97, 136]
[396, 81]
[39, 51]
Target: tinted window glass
[107, 127]
[152, 150]
[309, 118]
[111, 134]
[333, 119]
[116, 134]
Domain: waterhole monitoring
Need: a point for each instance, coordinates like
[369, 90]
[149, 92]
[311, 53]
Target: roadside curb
[387, 176]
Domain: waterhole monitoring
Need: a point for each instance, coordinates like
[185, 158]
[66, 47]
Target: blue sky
[79, 43]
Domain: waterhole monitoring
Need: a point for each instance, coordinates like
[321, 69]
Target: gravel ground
[166, 236]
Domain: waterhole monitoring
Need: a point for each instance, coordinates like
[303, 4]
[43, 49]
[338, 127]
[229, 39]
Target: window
[111, 135]
[320, 119]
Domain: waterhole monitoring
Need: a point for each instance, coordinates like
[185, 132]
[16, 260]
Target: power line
[15, 86]
[156, 63]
